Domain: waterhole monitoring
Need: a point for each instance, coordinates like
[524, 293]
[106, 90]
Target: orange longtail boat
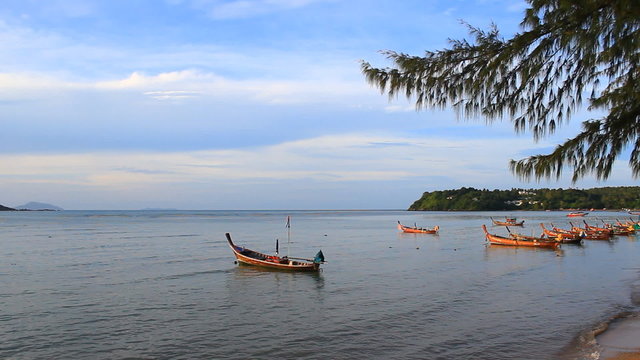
[250, 257]
[616, 229]
[501, 240]
[590, 234]
[564, 236]
[590, 228]
[418, 230]
[577, 214]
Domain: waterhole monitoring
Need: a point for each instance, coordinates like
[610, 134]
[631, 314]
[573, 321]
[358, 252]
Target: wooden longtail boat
[501, 240]
[612, 229]
[606, 230]
[417, 230]
[564, 236]
[508, 222]
[250, 257]
[591, 234]
[577, 214]
[631, 225]
[619, 228]
[523, 237]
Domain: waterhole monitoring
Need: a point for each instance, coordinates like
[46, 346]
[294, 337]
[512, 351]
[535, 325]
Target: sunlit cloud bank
[189, 84]
[353, 170]
[328, 158]
[325, 162]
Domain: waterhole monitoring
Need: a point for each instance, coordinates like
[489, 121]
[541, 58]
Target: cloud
[399, 108]
[284, 174]
[140, 81]
[351, 157]
[172, 94]
[239, 9]
[187, 84]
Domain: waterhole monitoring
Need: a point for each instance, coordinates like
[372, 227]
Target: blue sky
[242, 104]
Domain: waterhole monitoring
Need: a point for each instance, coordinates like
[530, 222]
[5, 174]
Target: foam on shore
[621, 339]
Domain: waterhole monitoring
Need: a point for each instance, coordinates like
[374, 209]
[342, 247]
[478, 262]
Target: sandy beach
[621, 340]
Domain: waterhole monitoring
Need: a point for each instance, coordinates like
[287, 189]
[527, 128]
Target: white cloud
[248, 8]
[352, 157]
[140, 81]
[191, 83]
[172, 94]
[324, 164]
[399, 108]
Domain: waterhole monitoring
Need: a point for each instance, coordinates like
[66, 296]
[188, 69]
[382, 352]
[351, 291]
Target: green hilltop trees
[567, 50]
[470, 199]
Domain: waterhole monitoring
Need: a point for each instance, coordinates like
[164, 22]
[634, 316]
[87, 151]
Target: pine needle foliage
[567, 50]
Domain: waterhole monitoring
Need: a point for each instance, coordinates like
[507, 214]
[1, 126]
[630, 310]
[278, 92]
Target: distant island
[34, 205]
[470, 199]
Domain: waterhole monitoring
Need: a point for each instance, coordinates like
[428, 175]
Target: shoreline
[621, 339]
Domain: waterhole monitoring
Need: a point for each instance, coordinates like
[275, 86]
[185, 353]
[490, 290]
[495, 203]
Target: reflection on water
[163, 284]
[248, 271]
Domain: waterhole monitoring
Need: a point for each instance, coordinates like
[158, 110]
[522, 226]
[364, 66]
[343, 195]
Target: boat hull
[500, 240]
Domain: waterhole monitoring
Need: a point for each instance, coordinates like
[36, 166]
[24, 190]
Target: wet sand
[621, 340]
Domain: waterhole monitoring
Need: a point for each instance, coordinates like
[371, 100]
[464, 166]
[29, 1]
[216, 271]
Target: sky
[241, 104]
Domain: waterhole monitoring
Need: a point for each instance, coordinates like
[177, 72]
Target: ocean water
[164, 285]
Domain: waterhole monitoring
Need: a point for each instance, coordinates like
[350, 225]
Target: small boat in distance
[577, 214]
[501, 240]
[250, 257]
[418, 230]
[508, 222]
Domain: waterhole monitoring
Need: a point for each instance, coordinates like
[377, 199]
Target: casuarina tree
[568, 54]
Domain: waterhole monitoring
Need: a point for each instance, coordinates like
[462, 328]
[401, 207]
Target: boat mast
[288, 233]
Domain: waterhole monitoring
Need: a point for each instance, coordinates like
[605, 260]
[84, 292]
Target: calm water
[163, 285]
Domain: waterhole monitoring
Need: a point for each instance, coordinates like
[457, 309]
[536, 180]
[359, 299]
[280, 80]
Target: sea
[165, 285]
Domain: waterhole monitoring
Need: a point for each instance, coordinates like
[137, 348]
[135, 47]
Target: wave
[585, 345]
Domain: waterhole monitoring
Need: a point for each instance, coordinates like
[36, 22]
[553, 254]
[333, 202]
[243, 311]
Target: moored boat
[564, 236]
[250, 257]
[577, 214]
[501, 240]
[590, 234]
[631, 224]
[596, 229]
[523, 237]
[508, 222]
[418, 230]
